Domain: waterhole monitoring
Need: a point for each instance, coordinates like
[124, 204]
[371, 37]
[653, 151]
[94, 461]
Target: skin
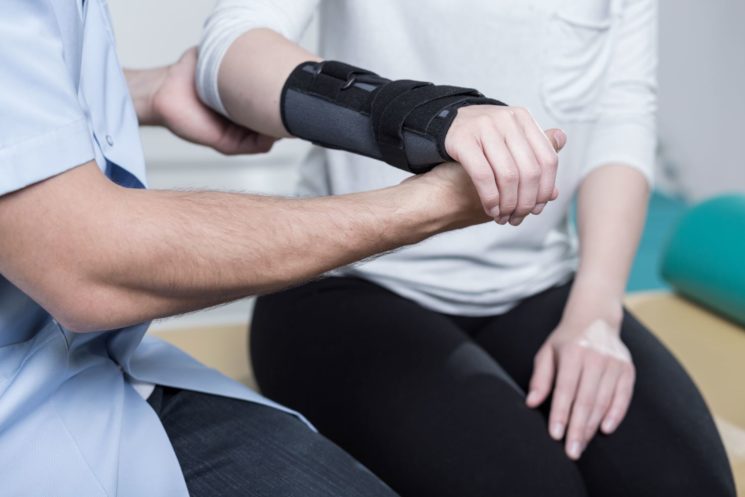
[507, 156]
[510, 159]
[115, 256]
[584, 359]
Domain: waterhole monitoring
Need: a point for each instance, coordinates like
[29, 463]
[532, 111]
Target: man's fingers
[483, 177]
[621, 400]
[543, 376]
[567, 379]
[557, 138]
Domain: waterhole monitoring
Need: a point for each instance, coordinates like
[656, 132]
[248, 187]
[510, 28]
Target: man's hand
[593, 372]
[510, 159]
[167, 97]
[448, 188]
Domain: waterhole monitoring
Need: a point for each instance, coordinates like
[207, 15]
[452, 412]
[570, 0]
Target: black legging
[434, 404]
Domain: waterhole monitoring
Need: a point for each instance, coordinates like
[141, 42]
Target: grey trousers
[232, 448]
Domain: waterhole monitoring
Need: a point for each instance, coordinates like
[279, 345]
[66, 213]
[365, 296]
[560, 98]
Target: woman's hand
[510, 159]
[167, 96]
[593, 372]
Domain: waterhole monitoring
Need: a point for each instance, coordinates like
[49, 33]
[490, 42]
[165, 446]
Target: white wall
[702, 94]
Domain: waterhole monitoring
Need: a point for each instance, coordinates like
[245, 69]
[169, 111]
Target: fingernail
[609, 425]
[557, 431]
[538, 209]
[575, 450]
[516, 221]
[494, 213]
[532, 397]
[503, 219]
[562, 138]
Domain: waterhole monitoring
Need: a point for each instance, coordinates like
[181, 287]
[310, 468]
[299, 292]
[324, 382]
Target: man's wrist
[417, 211]
[143, 84]
[444, 199]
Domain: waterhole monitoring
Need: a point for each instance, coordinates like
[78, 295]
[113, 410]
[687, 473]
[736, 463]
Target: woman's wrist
[594, 298]
[143, 85]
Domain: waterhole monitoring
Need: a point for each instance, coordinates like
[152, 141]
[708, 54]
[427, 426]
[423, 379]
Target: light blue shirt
[71, 425]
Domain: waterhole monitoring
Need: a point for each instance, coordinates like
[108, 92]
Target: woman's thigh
[667, 445]
[406, 392]
[232, 448]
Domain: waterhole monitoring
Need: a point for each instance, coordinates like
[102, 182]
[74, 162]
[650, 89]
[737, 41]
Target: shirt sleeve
[626, 130]
[231, 19]
[43, 130]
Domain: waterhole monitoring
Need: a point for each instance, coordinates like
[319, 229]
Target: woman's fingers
[507, 175]
[546, 157]
[621, 399]
[482, 174]
[543, 376]
[530, 173]
[584, 403]
[567, 381]
[521, 156]
[606, 391]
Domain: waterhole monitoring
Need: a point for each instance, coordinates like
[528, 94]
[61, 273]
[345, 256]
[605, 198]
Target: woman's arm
[252, 75]
[593, 371]
[507, 155]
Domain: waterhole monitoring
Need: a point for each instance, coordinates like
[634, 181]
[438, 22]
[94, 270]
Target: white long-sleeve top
[586, 66]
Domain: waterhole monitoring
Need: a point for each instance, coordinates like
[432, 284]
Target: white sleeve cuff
[233, 18]
[631, 143]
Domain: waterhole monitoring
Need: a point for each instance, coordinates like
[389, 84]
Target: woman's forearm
[611, 209]
[252, 75]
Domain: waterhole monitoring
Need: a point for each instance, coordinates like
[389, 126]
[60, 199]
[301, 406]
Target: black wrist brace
[403, 123]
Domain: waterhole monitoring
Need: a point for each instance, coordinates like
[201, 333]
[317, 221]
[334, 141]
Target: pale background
[702, 108]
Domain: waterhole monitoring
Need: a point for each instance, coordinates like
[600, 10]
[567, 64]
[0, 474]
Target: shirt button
[110, 140]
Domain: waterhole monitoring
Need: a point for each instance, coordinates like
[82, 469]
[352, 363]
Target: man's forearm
[612, 206]
[124, 256]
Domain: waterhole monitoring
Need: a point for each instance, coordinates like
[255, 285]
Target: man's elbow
[86, 309]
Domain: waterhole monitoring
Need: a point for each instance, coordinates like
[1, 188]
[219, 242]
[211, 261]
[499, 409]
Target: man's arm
[98, 256]
[167, 96]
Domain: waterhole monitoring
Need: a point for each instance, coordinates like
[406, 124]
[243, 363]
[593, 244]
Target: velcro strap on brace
[403, 123]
